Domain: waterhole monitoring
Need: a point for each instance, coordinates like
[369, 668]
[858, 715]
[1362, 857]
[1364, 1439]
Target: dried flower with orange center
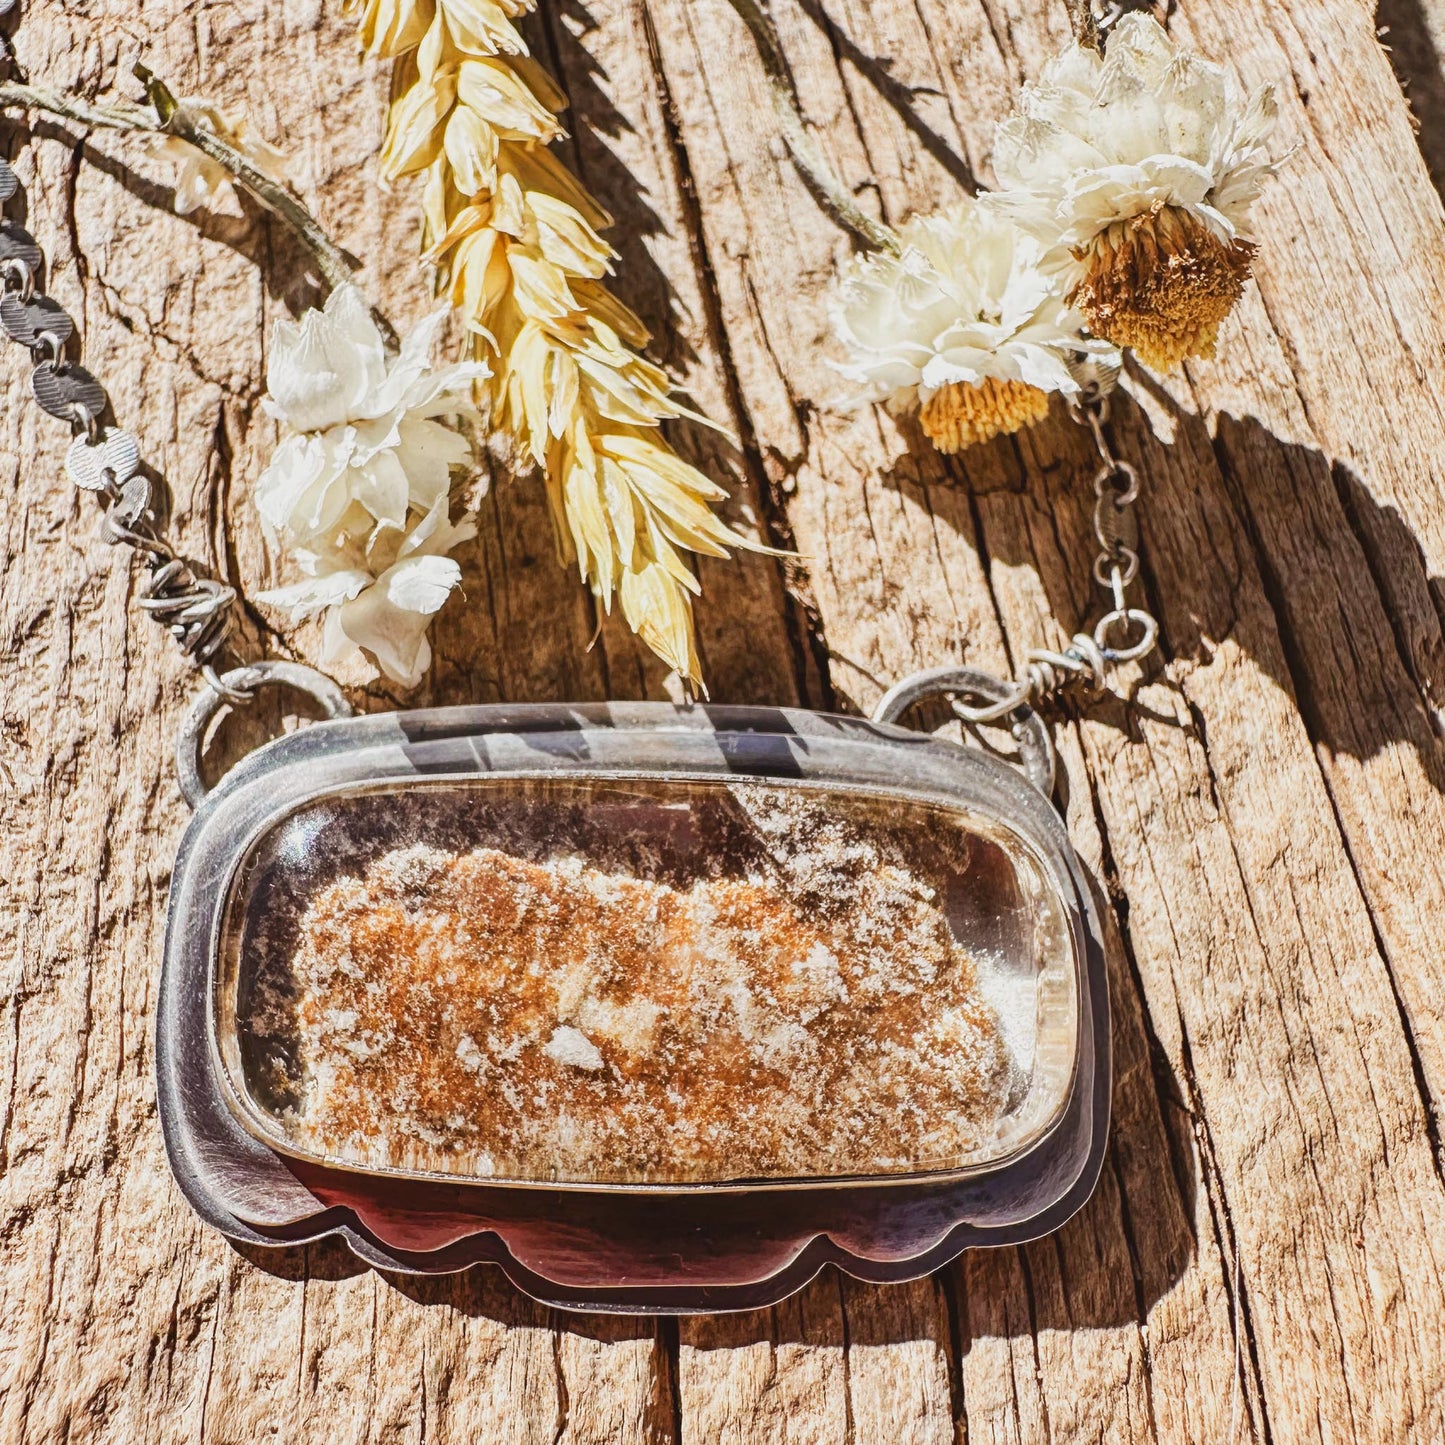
[1138, 169]
[962, 326]
[961, 414]
[1161, 283]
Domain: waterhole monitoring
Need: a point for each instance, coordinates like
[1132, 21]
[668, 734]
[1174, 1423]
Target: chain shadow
[1262, 544]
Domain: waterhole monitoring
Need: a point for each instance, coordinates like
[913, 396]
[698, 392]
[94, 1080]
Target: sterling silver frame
[602, 1247]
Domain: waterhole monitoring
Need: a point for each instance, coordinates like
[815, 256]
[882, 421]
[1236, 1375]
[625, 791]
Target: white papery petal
[1042, 367]
[435, 534]
[302, 492]
[336, 646]
[428, 452]
[382, 487]
[390, 618]
[967, 299]
[420, 583]
[446, 391]
[306, 599]
[408, 366]
[1105, 139]
[323, 372]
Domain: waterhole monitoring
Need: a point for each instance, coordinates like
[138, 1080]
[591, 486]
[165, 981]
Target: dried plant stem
[812, 165]
[1087, 31]
[167, 116]
[119, 115]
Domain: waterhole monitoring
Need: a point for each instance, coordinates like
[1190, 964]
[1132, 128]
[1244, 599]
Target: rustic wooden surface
[1265, 1255]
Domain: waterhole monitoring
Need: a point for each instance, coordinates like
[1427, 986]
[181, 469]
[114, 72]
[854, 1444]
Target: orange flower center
[963, 413]
[1161, 282]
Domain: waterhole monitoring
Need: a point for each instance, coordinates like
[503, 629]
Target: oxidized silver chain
[106, 460]
[1123, 634]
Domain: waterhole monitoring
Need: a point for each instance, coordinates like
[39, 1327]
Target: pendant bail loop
[239, 683]
[980, 697]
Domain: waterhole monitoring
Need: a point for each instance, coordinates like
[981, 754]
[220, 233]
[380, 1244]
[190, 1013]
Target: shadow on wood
[284, 264]
[559, 32]
[1247, 540]
[1413, 49]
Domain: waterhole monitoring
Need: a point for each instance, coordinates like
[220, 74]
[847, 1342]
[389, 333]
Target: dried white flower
[1139, 169]
[200, 181]
[963, 325]
[382, 597]
[359, 493]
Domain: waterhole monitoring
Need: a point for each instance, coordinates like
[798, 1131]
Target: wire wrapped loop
[1122, 621]
[993, 700]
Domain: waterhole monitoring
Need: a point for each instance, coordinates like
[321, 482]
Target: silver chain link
[1124, 633]
[197, 611]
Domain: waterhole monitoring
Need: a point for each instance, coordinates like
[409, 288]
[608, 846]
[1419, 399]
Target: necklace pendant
[658, 1008]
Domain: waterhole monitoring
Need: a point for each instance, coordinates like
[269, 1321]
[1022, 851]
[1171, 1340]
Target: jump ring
[48, 341]
[88, 421]
[1124, 495]
[16, 272]
[1006, 700]
[1123, 560]
[1128, 618]
[239, 683]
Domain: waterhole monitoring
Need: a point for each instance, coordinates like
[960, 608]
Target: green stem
[167, 116]
[830, 192]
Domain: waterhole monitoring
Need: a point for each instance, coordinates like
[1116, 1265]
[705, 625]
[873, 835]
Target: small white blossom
[1138, 169]
[359, 493]
[963, 324]
[381, 598]
[201, 182]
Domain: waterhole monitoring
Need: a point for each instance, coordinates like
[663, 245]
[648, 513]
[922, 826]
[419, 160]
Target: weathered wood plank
[1297, 1402]
[1265, 1253]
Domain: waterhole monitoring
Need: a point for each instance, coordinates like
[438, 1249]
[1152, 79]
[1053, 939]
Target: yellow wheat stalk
[518, 241]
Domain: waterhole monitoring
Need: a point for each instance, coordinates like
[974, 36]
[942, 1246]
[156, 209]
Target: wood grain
[1264, 1256]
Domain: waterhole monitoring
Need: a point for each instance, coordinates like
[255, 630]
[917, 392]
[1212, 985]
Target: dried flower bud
[202, 183]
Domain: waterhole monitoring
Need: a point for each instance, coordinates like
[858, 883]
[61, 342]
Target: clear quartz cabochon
[644, 982]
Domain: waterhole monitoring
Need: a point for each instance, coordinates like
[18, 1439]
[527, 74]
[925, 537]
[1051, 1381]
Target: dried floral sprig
[517, 239]
[1138, 168]
[358, 494]
[202, 182]
[963, 326]
[1127, 183]
[166, 117]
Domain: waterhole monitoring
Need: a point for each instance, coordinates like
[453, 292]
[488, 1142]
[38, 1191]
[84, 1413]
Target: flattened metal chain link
[1123, 633]
[197, 611]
